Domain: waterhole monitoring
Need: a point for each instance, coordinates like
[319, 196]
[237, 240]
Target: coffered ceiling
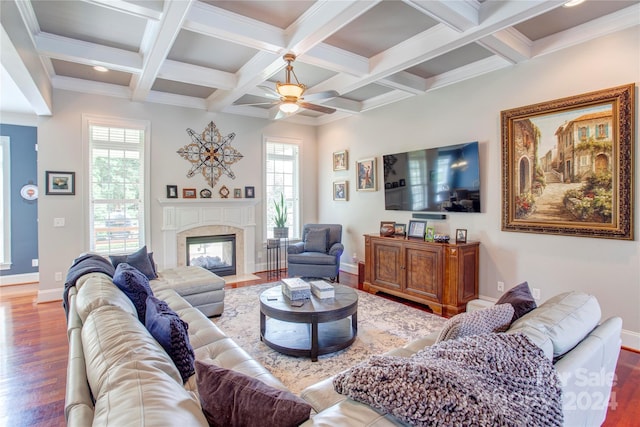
[213, 54]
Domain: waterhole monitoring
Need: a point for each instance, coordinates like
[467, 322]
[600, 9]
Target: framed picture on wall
[340, 160]
[341, 191]
[366, 175]
[61, 183]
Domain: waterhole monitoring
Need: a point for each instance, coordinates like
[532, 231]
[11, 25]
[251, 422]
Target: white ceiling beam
[163, 34]
[458, 15]
[92, 87]
[134, 9]
[336, 59]
[197, 75]
[344, 104]
[27, 73]
[465, 72]
[385, 99]
[406, 82]
[617, 21]
[510, 44]
[219, 23]
[72, 50]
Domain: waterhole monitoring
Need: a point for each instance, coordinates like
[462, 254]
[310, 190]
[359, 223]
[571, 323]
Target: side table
[273, 258]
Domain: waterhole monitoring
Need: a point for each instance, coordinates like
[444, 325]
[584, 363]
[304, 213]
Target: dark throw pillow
[492, 319]
[230, 398]
[317, 240]
[520, 298]
[141, 259]
[171, 332]
[135, 285]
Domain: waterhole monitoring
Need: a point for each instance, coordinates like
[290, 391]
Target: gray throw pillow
[140, 259]
[317, 240]
[230, 398]
[520, 298]
[492, 319]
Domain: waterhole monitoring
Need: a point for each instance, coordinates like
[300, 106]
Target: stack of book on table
[296, 288]
[322, 289]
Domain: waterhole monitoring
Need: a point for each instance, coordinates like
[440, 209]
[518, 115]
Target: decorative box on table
[322, 289]
[296, 289]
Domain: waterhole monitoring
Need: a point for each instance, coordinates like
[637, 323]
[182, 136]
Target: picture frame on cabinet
[461, 235]
[429, 234]
[417, 229]
[585, 143]
[400, 229]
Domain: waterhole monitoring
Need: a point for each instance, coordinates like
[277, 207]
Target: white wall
[61, 149]
[470, 111]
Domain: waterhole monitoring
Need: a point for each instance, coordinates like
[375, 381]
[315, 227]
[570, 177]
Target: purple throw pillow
[520, 298]
[135, 285]
[230, 398]
[140, 259]
[171, 332]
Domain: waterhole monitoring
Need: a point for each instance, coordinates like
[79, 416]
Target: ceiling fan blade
[257, 103]
[321, 95]
[269, 92]
[280, 115]
[315, 107]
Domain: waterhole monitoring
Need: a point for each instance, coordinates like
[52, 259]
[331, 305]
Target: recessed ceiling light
[101, 68]
[572, 3]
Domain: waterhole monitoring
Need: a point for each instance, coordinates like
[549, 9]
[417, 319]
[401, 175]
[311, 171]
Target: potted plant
[280, 231]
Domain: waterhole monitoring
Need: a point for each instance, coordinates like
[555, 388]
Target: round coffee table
[318, 326]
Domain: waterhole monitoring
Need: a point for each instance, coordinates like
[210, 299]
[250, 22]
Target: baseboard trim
[19, 279]
[631, 340]
[48, 295]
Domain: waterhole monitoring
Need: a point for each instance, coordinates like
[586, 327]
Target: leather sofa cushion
[566, 319]
[137, 393]
[97, 291]
[107, 337]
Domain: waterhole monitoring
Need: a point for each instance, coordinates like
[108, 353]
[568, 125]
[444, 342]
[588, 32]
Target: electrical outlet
[354, 258]
[58, 276]
[535, 293]
[34, 262]
[500, 286]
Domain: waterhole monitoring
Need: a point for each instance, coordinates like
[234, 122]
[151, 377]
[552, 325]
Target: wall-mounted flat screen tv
[440, 179]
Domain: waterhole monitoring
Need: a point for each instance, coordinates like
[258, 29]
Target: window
[5, 204]
[117, 184]
[282, 176]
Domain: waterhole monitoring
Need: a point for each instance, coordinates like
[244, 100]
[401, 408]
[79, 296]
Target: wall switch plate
[535, 293]
[34, 262]
[500, 286]
[58, 222]
[58, 276]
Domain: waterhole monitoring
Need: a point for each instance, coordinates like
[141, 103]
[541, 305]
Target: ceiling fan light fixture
[572, 3]
[289, 107]
[290, 89]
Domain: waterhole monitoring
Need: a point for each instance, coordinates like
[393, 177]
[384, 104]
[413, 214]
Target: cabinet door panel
[424, 272]
[387, 258]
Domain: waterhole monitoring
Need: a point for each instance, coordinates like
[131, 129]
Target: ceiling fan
[290, 95]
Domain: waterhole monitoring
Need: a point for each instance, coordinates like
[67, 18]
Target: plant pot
[280, 232]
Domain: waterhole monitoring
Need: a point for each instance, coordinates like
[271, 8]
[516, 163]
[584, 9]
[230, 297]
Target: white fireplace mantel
[179, 215]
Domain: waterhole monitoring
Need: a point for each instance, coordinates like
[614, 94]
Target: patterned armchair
[318, 254]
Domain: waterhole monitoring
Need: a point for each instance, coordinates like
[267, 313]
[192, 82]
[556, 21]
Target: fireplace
[215, 253]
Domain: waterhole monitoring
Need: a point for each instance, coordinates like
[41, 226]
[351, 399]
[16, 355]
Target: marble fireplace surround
[182, 218]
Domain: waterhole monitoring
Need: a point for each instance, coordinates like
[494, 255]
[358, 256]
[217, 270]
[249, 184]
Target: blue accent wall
[24, 214]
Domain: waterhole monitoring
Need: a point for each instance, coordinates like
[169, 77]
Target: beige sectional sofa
[119, 375]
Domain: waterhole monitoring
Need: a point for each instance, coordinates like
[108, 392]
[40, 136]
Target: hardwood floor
[33, 364]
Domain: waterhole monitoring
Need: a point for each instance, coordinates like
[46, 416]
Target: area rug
[382, 325]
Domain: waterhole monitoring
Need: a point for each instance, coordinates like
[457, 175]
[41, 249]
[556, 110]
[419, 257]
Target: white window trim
[293, 234]
[5, 263]
[90, 119]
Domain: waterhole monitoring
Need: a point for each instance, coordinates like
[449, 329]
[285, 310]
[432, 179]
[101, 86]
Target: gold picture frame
[340, 160]
[366, 175]
[567, 165]
[341, 191]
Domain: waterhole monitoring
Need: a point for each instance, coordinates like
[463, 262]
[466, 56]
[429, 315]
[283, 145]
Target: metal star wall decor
[211, 154]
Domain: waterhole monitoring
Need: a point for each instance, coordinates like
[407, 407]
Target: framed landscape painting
[567, 165]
